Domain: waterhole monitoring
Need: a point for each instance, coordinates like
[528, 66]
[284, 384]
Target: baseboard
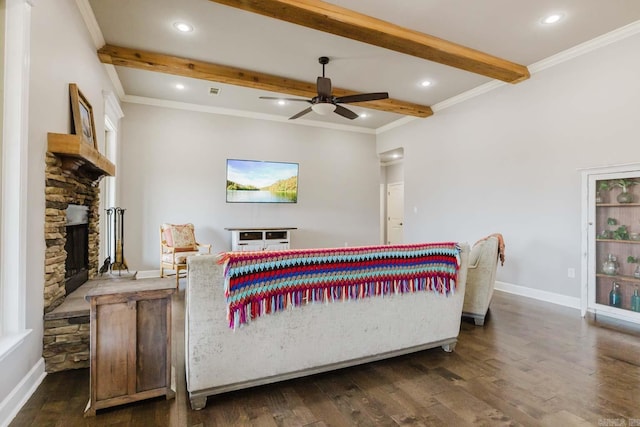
[564, 300]
[148, 274]
[12, 404]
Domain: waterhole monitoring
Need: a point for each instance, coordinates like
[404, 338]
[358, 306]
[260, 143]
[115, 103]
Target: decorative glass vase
[635, 300]
[615, 297]
[625, 197]
[606, 234]
[610, 266]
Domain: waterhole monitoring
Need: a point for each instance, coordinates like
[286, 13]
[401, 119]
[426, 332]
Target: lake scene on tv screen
[252, 181]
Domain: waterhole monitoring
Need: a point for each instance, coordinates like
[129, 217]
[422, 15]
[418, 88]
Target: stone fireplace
[64, 188]
[72, 222]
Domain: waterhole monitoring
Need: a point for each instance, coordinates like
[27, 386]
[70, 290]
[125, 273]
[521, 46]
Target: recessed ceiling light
[179, 86]
[183, 27]
[282, 102]
[552, 19]
[395, 156]
[425, 83]
[363, 115]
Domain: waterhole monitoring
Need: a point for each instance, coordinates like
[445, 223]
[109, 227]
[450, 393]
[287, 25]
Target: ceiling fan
[324, 102]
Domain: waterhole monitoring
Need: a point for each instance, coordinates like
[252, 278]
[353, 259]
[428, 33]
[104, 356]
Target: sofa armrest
[481, 278]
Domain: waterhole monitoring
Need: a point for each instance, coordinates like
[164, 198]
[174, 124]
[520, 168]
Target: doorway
[395, 213]
[392, 197]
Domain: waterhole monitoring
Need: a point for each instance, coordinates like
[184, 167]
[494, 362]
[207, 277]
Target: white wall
[508, 161]
[61, 52]
[395, 173]
[173, 166]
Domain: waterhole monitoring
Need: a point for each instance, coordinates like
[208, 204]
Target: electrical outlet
[571, 273]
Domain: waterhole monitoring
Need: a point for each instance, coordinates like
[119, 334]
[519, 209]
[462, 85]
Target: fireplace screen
[77, 247]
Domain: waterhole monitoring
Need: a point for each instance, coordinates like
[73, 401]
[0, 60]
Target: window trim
[13, 172]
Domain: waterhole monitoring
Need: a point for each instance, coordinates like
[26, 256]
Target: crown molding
[91, 23]
[239, 113]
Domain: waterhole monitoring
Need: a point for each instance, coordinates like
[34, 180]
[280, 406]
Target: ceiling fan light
[323, 108]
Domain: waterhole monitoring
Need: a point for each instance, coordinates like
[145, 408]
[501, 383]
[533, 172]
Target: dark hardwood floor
[533, 363]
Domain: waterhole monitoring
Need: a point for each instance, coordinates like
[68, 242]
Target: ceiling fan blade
[345, 112]
[324, 87]
[285, 99]
[362, 97]
[301, 113]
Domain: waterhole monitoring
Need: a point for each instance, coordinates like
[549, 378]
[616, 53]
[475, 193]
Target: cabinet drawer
[276, 235]
[251, 235]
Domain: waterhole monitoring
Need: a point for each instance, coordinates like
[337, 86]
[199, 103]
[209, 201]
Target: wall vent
[214, 91]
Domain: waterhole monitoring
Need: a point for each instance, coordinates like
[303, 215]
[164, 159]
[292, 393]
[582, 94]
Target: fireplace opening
[77, 247]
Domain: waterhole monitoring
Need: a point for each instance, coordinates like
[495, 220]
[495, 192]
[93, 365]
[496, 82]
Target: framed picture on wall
[82, 116]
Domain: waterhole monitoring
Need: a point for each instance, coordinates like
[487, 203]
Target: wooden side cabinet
[130, 343]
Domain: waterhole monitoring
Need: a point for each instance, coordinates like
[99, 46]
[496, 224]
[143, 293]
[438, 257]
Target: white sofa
[305, 340]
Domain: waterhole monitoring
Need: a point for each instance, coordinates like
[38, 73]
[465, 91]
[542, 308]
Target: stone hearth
[67, 328]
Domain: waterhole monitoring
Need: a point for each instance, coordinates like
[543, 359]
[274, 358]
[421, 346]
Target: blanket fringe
[245, 312]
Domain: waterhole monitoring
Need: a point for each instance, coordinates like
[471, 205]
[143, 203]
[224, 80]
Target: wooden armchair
[177, 242]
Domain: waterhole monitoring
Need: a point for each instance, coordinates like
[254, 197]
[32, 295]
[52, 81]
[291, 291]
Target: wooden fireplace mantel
[77, 154]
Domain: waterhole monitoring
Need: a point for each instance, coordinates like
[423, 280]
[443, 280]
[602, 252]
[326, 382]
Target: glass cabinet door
[614, 244]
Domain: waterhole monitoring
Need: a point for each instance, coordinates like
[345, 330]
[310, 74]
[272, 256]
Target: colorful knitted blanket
[258, 283]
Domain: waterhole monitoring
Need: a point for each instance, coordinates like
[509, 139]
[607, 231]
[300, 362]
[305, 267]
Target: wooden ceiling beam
[343, 22]
[150, 61]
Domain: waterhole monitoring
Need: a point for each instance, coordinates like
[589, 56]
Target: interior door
[395, 213]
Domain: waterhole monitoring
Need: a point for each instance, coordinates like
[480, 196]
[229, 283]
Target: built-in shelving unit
[611, 233]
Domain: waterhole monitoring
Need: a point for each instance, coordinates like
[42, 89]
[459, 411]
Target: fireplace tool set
[115, 242]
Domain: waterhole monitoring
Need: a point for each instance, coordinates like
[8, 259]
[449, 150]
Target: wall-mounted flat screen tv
[253, 181]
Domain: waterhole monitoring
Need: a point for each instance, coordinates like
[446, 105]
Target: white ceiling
[510, 29]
